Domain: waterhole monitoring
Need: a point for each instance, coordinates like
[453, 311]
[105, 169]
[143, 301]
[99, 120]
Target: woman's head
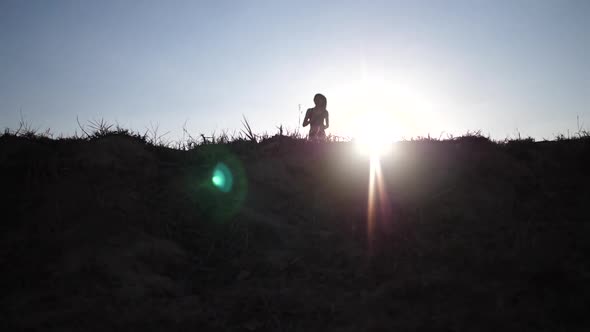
[320, 101]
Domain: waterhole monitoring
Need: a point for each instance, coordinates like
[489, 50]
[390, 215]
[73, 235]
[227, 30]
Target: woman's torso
[317, 117]
[316, 121]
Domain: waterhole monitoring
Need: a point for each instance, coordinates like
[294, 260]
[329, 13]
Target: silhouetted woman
[318, 118]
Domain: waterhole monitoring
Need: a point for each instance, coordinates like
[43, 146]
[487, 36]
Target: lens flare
[378, 209]
[222, 178]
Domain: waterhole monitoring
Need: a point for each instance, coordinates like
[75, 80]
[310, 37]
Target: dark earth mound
[113, 234]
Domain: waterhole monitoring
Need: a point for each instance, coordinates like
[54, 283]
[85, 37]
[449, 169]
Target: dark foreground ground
[113, 234]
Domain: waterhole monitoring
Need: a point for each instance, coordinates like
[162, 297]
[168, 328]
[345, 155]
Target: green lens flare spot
[222, 178]
[217, 179]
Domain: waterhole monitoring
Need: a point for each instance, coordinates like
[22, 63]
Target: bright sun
[377, 111]
[375, 134]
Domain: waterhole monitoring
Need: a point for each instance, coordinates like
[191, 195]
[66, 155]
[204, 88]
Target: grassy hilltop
[114, 233]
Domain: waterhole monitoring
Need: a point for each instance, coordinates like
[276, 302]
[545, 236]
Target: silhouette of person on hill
[318, 118]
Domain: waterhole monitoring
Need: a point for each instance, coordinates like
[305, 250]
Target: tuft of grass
[474, 137]
[27, 130]
[152, 136]
[247, 130]
[426, 138]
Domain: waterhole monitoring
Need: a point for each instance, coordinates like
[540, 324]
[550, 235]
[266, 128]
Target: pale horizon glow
[420, 67]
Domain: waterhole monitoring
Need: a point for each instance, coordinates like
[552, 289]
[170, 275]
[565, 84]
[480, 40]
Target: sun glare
[379, 109]
[375, 135]
[373, 145]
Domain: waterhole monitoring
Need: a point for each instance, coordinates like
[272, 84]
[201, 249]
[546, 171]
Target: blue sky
[415, 67]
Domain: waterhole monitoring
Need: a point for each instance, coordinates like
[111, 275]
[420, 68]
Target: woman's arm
[307, 118]
[327, 120]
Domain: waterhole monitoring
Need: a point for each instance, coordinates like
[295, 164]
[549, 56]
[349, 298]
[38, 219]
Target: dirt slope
[115, 234]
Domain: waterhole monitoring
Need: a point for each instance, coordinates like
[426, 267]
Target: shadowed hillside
[116, 234]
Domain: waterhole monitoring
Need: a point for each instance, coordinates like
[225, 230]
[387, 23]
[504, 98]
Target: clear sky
[417, 66]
